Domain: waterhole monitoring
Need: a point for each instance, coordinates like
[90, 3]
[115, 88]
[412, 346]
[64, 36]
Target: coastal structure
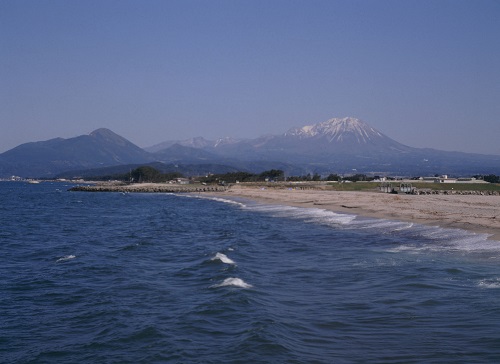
[149, 188]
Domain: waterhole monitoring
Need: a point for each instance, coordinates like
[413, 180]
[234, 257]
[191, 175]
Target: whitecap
[234, 282]
[65, 258]
[223, 258]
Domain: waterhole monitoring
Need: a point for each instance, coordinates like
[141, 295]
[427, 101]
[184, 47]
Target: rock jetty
[149, 188]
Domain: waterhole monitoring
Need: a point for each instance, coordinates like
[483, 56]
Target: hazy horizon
[424, 73]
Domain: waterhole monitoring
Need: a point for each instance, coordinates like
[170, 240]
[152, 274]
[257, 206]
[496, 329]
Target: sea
[165, 278]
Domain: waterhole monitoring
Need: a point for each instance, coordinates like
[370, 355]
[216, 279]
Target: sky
[425, 73]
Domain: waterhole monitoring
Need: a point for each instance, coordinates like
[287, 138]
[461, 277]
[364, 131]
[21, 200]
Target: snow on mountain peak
[337, 129]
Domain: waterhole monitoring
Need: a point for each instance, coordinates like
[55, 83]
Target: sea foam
[235, 282]
[437, 238]
[218, 199]
[228, 201]
[65, 258]
[314, 215]
[223, 258]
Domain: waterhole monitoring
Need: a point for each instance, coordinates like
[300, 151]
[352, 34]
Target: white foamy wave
[438, 239]
[457, 239]
[403, 226]
[435, 238]
[277, 209]
[65, 258]
[476, 242]
[223, 258]
[329, 217]
[386, 225]
[218, 199]
[226, 200]
[407, 249]
[234, 282]
[489, 283]
[313, 215]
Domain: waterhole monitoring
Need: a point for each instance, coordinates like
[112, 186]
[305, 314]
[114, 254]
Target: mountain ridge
[337, 145]
[102, 147]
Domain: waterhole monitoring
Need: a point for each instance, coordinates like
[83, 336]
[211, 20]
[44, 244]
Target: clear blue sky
[426, 73]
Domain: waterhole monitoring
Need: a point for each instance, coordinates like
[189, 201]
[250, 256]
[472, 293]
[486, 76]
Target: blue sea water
[161, 278]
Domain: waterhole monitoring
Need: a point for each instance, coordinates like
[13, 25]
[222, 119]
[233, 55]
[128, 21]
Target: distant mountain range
[338, 145]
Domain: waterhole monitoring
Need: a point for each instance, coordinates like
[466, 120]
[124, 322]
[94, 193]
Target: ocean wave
[315, 215]
[65, 258]
[382, 224]
[212, 198]
[438, 239]
[226, 200]
[435, 238]
[234, 282]
[223, 258]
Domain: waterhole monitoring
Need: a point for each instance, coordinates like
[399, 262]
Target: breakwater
[149, 188]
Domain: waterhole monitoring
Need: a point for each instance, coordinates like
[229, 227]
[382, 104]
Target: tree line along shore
[148, 179]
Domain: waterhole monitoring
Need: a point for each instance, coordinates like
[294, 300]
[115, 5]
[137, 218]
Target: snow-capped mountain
[332, 137]
[346, 144]
[345, 131]
[341, 136]
[339, 130]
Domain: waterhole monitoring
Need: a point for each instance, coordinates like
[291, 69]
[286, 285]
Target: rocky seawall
[150, 188]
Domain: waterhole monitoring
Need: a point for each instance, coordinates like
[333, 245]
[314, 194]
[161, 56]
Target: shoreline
[475, 213]
[472, 212]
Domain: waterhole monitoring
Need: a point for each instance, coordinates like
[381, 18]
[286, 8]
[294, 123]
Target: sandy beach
[476, 213]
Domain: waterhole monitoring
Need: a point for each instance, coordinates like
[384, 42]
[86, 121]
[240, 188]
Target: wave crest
[223, 258]
[235, 282]
[65, 258]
